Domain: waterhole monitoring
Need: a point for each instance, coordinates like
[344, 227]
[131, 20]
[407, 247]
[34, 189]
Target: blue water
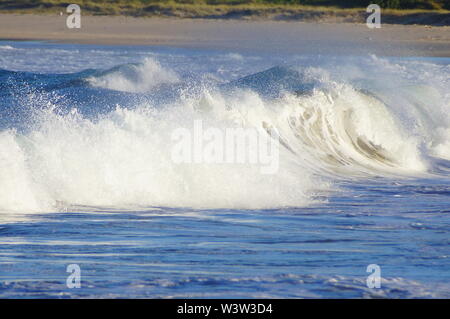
[86, 176]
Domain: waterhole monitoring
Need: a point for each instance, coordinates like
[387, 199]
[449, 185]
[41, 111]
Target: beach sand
[264, 36]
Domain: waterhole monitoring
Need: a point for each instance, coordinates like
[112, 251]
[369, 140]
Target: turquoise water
[87, 177]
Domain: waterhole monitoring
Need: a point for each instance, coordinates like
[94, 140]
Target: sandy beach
[279, 36]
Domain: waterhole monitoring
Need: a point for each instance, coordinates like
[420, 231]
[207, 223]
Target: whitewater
[87, 174]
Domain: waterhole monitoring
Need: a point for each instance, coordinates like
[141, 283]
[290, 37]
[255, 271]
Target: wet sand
[263, 36]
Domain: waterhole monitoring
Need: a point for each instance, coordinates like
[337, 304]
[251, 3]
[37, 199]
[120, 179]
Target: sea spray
[331, 123]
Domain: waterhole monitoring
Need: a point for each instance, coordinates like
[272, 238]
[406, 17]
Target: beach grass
[246, 9]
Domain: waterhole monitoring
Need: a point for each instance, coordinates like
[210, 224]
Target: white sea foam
[136, 78]
[124, 158]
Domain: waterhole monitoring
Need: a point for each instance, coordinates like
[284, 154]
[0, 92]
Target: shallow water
[87, 178]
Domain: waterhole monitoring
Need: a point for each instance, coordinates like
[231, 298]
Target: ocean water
[88, 176]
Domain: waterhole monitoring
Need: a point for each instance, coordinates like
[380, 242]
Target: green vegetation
[221, 8]
[392, 4]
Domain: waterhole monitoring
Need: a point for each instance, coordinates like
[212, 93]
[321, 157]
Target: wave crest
[135, 78]
[122, 158]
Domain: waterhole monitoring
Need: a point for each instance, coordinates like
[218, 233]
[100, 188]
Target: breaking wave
[135, 77]
[103, 138]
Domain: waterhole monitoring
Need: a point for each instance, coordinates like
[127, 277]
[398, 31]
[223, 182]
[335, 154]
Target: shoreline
[292, 37]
